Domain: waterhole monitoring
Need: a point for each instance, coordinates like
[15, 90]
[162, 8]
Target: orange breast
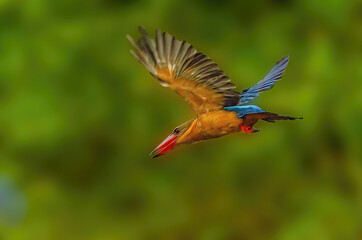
[212, 125]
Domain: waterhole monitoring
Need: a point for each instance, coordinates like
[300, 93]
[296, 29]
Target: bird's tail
[271, 117]
[251, 119]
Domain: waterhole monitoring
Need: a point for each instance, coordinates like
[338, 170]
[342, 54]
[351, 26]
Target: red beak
[168, 144]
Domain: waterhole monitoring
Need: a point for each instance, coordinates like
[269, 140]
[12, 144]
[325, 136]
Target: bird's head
[173, 139]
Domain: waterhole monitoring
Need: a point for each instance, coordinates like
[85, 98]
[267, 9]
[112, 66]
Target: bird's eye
[176, 130]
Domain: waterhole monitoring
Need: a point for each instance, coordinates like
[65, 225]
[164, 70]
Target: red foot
[247, 129]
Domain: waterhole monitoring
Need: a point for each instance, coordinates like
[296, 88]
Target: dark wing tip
[142, 30]
[296, 118]
[283, 60]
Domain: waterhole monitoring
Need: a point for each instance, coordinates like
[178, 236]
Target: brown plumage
[191, 74]
[195, 77]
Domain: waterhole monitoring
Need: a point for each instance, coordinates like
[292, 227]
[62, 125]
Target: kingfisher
[198, 79]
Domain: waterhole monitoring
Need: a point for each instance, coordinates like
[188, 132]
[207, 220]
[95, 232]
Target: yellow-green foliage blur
[79, 116]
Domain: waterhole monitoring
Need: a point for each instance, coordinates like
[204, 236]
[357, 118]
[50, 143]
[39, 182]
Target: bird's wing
[267, 83]
[180, 66]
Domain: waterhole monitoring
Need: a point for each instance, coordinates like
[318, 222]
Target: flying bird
[195, 77]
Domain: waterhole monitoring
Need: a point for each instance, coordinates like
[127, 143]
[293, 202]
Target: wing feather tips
[267, 82]
[150, 42]
[183, 61]
[143, 53]
[160, 47]
[168, 39]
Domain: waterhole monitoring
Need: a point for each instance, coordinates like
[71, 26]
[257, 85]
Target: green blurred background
[79, 116]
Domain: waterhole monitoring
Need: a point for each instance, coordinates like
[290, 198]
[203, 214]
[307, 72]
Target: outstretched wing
[267, 83]
[178, 65]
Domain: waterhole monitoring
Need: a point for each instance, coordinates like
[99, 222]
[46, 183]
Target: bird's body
[212, 125]
[220, 110]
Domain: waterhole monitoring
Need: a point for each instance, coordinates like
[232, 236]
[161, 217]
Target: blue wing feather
[267, 83]
[243, 110]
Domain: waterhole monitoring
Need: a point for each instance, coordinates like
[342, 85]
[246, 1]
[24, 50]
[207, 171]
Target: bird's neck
[189, 133]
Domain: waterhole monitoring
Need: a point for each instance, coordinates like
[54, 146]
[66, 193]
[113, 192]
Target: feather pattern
[190, 73]
[243, 110]
[267, 83]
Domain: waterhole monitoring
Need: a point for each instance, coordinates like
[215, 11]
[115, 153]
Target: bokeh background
[79, 116]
